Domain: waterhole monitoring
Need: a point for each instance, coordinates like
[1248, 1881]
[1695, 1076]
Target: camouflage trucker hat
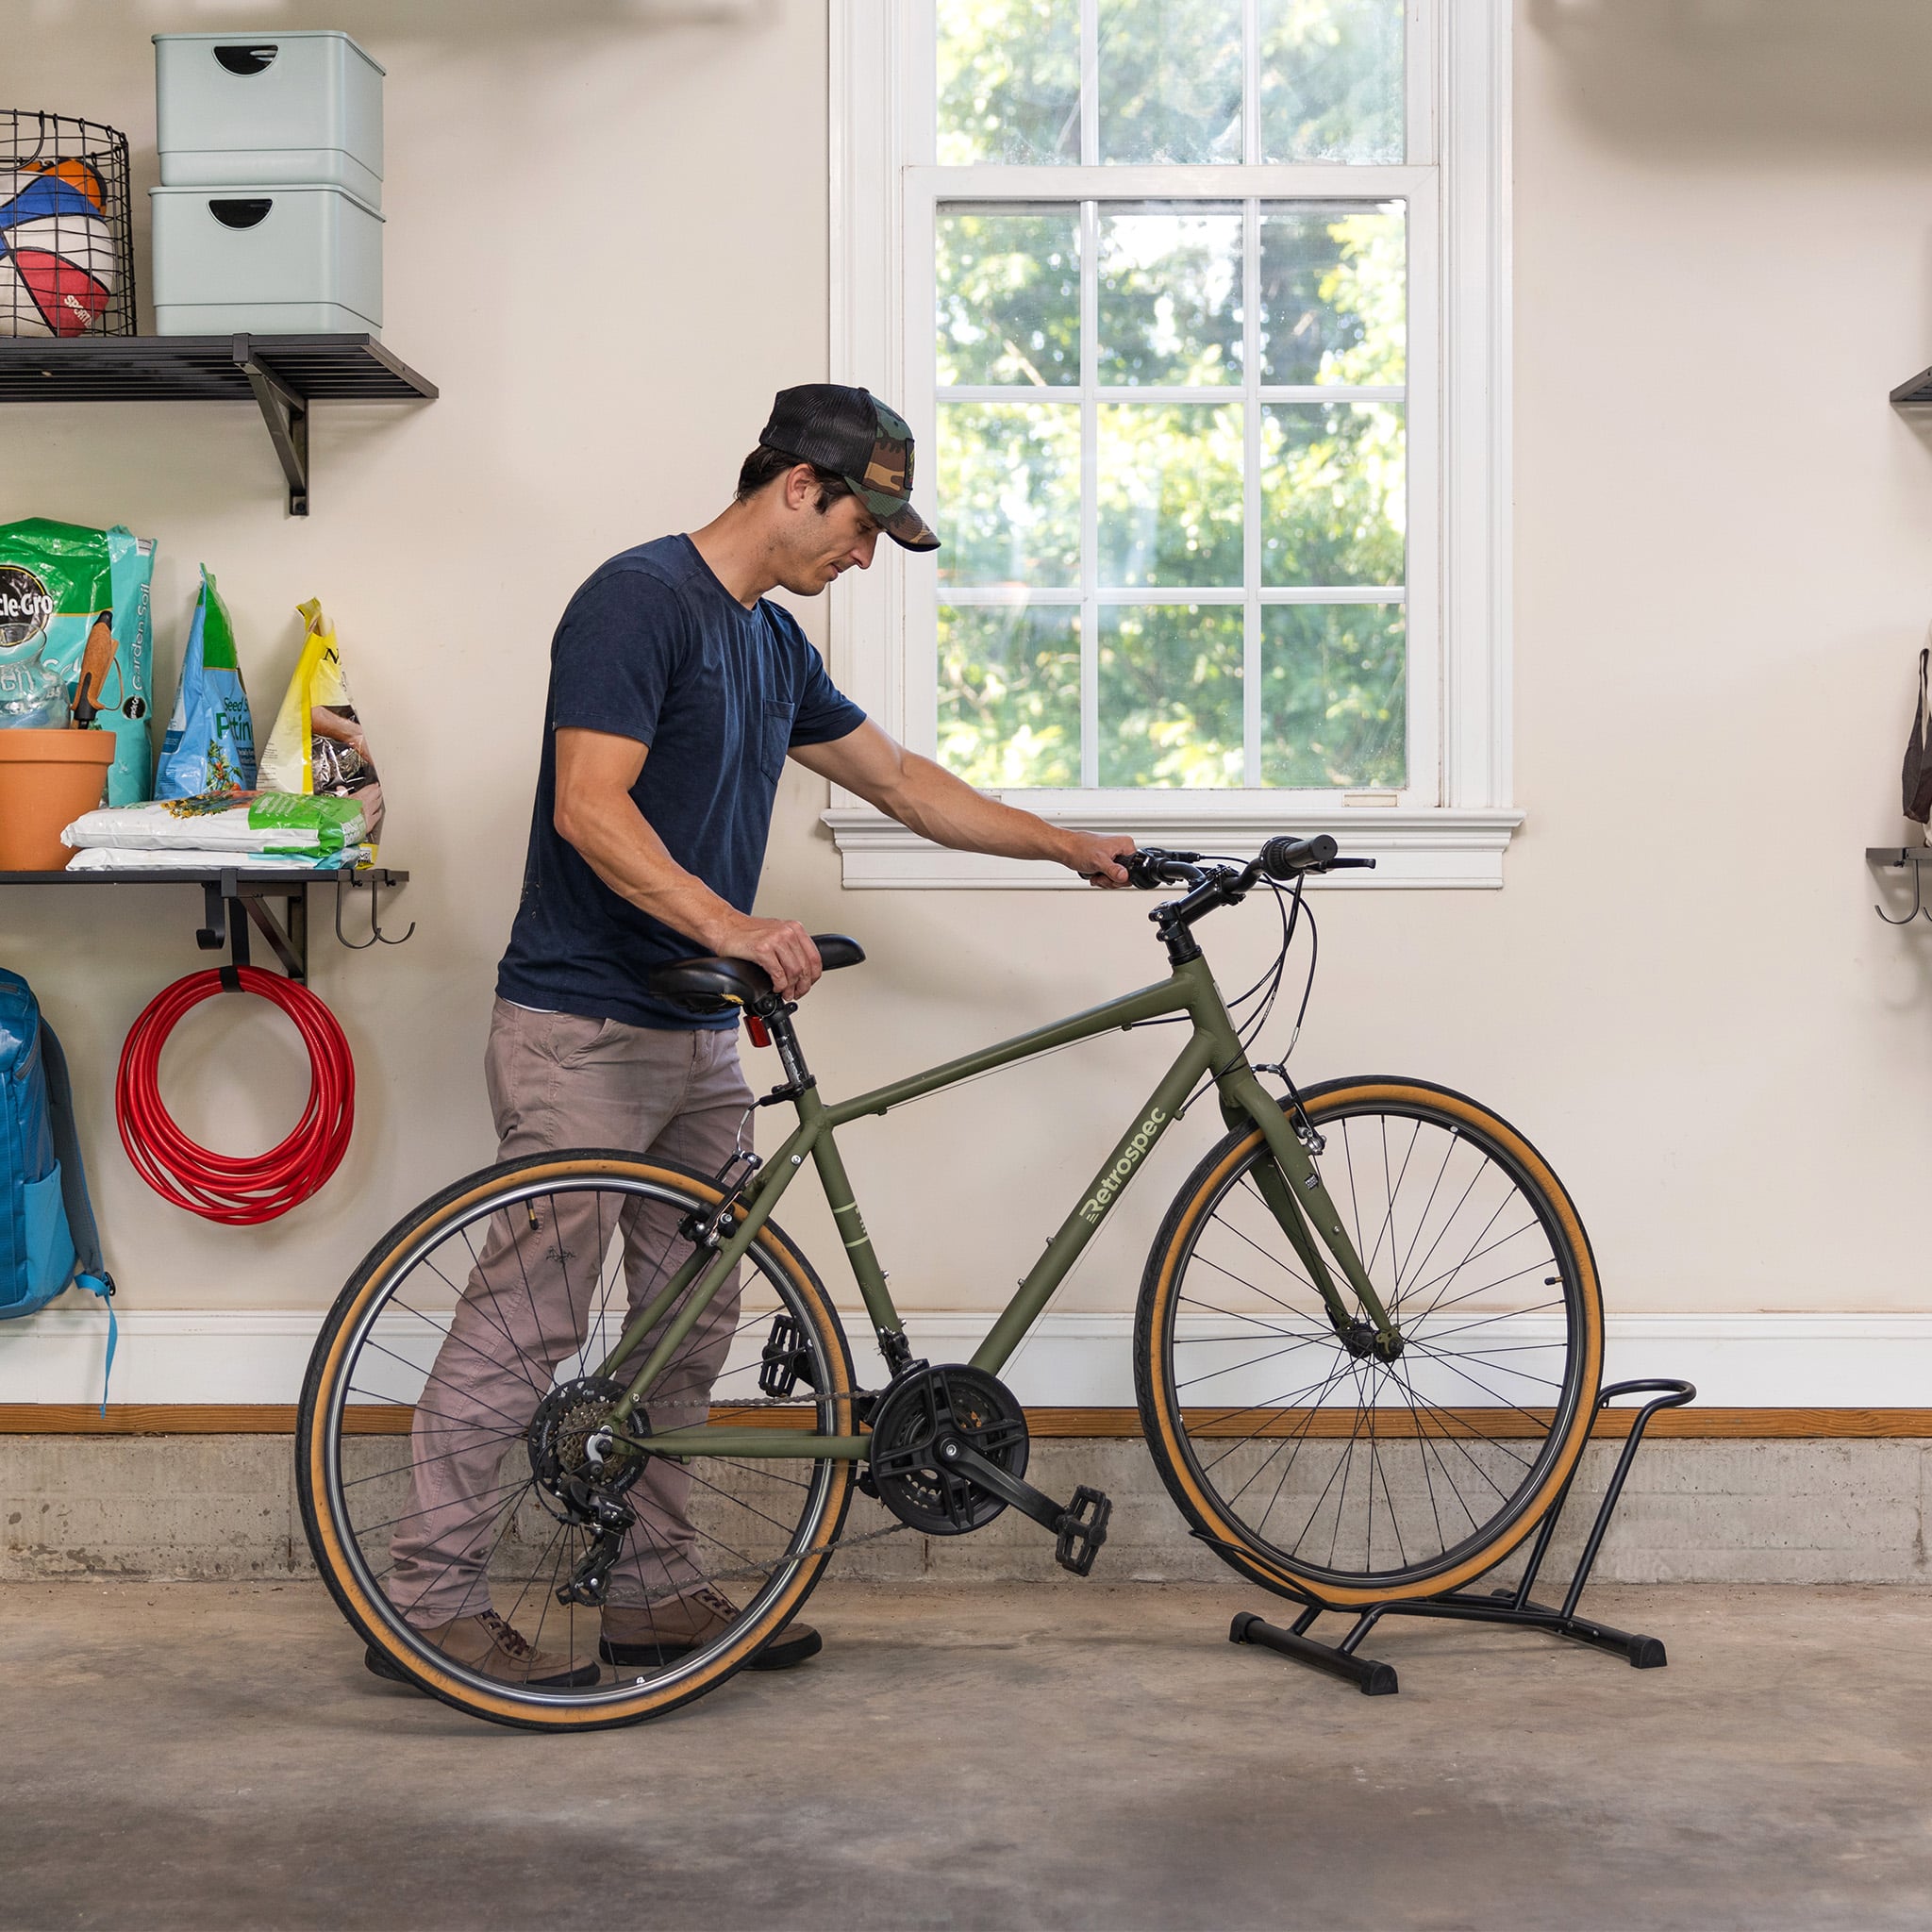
[850, 432]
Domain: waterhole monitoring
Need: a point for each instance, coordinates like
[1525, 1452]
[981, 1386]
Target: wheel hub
[581, 1475]
[1362, 1338]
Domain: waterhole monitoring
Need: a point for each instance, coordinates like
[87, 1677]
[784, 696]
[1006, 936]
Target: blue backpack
[48, 1240]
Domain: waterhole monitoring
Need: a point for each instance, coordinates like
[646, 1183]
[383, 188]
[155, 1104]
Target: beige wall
[607, 242]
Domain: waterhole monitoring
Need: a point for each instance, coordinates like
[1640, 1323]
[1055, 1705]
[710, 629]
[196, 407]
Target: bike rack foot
[1371, 1677]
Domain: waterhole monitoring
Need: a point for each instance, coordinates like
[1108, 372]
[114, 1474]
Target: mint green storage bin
[245, 110]
[301, 259]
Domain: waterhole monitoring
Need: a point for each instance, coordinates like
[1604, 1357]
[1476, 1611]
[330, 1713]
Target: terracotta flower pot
[47, 779]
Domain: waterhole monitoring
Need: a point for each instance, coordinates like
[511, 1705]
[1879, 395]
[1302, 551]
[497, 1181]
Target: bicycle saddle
[709, 985]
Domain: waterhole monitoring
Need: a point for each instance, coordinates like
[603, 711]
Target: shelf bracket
[287, 417]
[227, 913]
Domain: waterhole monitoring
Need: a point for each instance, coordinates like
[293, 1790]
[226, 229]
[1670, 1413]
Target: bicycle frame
[1292, 1189]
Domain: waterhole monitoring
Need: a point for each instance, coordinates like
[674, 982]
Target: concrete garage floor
[213, 1755]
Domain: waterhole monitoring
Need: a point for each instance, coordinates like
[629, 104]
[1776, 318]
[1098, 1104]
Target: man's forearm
[618, 843]
[948, 811]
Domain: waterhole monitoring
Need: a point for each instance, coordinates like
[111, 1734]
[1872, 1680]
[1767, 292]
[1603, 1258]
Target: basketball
[57, 250]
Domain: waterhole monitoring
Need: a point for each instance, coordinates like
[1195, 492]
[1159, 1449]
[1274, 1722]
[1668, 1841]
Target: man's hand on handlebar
[781, 946]
[1283, 858]
[1096, 855]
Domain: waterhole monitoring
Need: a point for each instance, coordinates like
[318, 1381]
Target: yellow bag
[318, 745]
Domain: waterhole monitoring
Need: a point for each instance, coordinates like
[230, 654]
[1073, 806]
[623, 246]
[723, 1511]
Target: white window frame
[1451, 827]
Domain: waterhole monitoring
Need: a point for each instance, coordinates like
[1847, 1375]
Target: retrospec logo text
[1116, 1176]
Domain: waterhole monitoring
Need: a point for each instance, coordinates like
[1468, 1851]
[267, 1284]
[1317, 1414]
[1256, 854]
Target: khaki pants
[556, 1082]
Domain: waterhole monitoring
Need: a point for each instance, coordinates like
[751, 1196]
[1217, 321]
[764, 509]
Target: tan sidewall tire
[1162, 1422]
[312, 1439]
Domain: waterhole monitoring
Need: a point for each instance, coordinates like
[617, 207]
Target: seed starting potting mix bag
[318, 744]
[262, 822]
[211, 744]
[75, 637]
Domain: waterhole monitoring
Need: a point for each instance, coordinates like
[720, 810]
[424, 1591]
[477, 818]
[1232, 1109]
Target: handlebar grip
[1282, 858]
[1152, 868]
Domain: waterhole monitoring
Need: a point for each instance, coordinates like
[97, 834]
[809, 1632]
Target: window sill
[1442, 847]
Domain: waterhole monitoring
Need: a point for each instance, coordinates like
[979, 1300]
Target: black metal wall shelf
[1895, 858]
[1916, 394]
[232, 898]
[280, 375]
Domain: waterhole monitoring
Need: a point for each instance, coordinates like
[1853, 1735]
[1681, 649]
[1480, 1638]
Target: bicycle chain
[755, 1571]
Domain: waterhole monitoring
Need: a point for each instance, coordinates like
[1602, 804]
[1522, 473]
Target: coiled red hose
[220, 1187]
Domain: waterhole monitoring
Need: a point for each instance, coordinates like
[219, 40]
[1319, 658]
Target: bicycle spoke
[1308, 1331]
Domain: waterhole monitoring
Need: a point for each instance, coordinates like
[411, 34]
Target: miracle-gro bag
[74, 602]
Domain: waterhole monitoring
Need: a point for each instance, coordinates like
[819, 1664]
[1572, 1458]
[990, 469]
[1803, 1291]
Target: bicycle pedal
[786, 1359]
[1082, 1530]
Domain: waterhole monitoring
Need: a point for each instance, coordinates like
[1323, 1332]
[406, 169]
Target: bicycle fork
[1299, 1200]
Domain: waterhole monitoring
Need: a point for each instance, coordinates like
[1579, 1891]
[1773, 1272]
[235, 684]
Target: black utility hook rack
[234, 899]
[1516, 1607]
[1895, 858]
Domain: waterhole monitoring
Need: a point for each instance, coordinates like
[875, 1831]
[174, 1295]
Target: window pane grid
[1202, 471]
[1173, 393]
[1090, 477]
[1251, 444]
[1263, 697]
[966, 596]
[1183, 82]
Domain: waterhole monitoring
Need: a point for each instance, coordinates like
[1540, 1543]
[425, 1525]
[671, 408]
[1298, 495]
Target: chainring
[923, 1406]
[568, 1484]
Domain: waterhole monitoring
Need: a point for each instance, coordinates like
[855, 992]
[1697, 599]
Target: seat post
[785, 1038]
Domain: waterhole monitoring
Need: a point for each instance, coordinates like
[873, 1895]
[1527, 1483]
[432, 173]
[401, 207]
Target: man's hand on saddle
[1096, 855]
[781, 946]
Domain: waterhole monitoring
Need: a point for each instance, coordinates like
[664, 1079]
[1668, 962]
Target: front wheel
[1309, 1461]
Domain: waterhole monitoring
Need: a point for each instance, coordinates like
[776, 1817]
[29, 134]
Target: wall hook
[1918, 902]
[375, 931]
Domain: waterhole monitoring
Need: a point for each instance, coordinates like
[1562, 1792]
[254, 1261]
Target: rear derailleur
[948, 1454]
[581, 1476]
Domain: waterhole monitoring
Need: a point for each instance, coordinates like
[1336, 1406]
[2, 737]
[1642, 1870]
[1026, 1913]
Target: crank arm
[954, 1454]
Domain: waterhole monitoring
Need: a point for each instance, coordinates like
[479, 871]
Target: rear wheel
[441, 1459]
[1312, 1464]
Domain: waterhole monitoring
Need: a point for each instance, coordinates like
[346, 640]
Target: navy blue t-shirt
[654, 647]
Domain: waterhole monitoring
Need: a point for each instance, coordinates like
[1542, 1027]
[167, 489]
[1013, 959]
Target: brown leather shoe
[487, 1644]
[661, 1632]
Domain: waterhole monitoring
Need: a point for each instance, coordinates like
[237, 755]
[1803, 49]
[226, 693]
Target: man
[677, 693]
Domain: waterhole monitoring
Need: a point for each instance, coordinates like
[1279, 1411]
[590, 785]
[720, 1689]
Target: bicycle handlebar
[1284, 857]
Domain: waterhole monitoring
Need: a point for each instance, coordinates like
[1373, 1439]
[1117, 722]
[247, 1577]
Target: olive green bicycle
[1366, 1352]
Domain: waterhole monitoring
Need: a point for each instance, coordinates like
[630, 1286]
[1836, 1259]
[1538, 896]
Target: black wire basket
[66, 246]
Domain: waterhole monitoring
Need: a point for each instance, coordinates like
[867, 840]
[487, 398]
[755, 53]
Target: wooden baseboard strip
[278, 1419]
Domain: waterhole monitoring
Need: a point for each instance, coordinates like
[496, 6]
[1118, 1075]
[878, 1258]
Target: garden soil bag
[209, 749]
[318, 744]
[76, 631]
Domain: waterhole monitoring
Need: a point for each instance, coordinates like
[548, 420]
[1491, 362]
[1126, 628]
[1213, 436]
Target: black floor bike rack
[1514, 1606]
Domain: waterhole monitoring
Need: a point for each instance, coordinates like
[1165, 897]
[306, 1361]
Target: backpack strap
[92, 1275]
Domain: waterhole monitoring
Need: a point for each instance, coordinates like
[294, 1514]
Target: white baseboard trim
[1071, 1360]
